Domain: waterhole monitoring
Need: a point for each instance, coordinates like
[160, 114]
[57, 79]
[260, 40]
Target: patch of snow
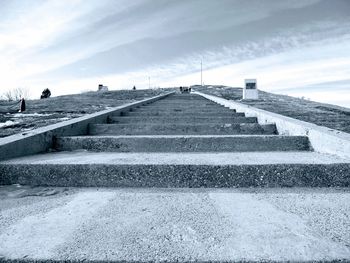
[27, 129]
[7, 123]
[21, 115]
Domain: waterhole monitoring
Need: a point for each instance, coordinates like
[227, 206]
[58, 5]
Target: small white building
[250, 90]
[102, 88]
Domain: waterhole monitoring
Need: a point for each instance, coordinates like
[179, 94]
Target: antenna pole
[201, 74]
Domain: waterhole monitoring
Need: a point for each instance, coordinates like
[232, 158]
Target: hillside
[331, 116]
[49, 111]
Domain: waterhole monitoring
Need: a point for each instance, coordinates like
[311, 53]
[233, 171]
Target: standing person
[22, 106]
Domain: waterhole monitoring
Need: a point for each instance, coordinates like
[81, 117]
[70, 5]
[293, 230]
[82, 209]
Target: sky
[293, 47]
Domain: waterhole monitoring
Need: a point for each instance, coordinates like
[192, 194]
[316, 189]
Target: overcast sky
[296, 47]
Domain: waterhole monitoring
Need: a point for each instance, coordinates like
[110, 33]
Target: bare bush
[16, 94]
[45, 94]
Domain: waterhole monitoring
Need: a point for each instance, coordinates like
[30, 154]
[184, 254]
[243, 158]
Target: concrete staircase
[182, 123]
[150, 159]
[182, 140]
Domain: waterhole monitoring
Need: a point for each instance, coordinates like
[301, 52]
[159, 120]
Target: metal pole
[201, 74]
[149, 82]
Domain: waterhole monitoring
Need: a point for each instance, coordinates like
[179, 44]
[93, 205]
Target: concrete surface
[181, 114]
[187, 110]
[185, 119]
[249, 169]
[198, 105]
[185, 143]
[174, 224]
[181, 129]
[322, 139]
[227, 158]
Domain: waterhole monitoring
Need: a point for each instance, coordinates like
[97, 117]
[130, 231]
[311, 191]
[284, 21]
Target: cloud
[252, 38]
[65, 44]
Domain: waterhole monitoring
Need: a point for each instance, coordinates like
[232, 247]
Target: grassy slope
[48, 111]
[61, 108]
[327, 115]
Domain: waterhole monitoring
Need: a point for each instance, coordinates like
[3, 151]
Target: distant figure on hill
[134, 88]
[184, 89]
[45, 94]
[22, 106]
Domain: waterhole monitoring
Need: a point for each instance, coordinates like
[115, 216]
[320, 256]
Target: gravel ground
[174, 224]
[331, 116]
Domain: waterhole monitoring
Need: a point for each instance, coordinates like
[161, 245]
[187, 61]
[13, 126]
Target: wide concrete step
[168, 101]
[174, 225]
[197, 105]
[175, 113]
[202, 100]
[190, 119]
[184, 98]
[171, 98]
[189, 110]
[165, 100]
[161, 110]
[235, 169]
[181, 129]
[184, 104]
[176, 143]
[191, 107]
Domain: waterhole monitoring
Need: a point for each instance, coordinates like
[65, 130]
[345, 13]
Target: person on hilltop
[22, 105]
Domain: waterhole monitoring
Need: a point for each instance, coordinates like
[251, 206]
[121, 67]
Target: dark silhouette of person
[22, 106]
